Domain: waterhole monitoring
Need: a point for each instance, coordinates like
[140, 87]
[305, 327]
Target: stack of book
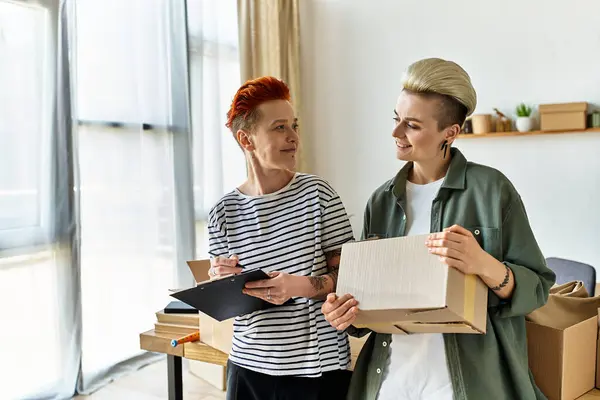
[177, 319]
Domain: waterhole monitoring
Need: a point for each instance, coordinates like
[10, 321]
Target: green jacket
[493, 366]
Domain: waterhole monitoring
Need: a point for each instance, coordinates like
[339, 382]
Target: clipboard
[223, 299]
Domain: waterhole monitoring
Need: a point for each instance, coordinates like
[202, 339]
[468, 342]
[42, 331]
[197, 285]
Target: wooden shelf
[500, 134]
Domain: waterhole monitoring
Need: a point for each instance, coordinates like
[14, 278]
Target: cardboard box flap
[454, 327]
[563, 107]
[199, 269]
[545, 349]
[383, 327]
[429, 315]
[404, 328]
[467, 297]
[396, 259]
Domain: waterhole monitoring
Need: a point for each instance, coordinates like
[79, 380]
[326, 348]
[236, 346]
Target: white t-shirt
[417, 368]
[288, 231]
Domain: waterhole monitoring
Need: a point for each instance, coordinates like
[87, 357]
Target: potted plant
[524, 121]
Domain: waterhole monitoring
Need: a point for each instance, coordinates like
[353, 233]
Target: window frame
[199, 48]
[27, 237]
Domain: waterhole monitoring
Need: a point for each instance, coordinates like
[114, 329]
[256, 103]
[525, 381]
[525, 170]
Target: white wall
[538, 51]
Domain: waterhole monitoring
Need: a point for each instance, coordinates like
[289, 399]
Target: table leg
[174, 372]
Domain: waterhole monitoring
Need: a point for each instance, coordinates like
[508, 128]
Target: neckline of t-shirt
[411, 185]
[262, 196]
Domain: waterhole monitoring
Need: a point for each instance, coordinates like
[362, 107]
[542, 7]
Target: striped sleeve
[336, 228]
[217, 236]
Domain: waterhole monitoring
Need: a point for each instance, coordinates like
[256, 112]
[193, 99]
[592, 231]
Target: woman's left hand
[277, 290]
[458, 248]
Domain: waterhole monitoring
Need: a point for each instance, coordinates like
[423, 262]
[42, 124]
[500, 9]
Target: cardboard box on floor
[219, 335]
[598, 350]
[401, 288]
[214, 374]
[563, 359]
[598, 353]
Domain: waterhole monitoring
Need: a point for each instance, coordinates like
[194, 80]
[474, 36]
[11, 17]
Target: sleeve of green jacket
[523, 256]
[352, 330]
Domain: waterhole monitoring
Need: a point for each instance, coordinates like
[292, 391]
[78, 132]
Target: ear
[243, 138]
[452, 132]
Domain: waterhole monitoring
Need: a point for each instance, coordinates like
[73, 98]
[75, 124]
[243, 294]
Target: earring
[444, 147]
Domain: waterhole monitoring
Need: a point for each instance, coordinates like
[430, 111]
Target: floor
[150, 383]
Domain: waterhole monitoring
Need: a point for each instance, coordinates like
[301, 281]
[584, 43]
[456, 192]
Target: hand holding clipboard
[223, 298]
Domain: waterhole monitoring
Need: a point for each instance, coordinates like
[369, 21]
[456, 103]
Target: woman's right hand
[222, 266]
[340, 311]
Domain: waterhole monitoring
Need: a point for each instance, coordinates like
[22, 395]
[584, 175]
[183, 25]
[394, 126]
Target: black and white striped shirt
[288, 231]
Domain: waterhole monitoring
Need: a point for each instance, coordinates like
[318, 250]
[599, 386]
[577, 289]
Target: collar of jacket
[455, 177]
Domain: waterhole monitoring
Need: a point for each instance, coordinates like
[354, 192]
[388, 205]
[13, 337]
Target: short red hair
[242, 113]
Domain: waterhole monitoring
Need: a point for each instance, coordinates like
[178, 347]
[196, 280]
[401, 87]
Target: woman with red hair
[292, 226]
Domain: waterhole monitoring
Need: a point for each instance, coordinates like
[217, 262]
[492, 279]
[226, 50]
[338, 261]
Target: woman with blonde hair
[292, 226]
[478, 225]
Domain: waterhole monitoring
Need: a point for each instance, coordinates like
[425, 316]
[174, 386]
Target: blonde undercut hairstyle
[446, 81]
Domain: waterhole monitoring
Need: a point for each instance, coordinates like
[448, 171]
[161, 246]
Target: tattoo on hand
[334, 270]
[318, 282]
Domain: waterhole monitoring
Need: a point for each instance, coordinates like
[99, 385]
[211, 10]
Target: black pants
[244, 384]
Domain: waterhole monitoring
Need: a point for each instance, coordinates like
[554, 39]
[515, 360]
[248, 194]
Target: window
[219, 164]
[26, 99]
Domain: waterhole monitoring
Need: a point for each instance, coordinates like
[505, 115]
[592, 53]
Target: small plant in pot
[524, 121]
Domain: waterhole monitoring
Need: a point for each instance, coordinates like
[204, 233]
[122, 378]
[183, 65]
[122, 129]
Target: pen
[192, 337]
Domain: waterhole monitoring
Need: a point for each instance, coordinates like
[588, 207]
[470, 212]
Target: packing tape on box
[469, 306]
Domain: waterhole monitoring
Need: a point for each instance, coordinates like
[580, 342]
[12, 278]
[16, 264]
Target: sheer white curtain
[39, 334]
[219, 164]
[33, 261]
[92, 222]
[127, 192]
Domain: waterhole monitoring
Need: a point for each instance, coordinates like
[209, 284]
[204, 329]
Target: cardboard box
[212, 332]
[215, 375]
[401, 288]
[563, 359]
[598, 355]
[564, 116]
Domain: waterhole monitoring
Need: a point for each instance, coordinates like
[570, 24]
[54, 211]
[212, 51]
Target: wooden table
[161, 343]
